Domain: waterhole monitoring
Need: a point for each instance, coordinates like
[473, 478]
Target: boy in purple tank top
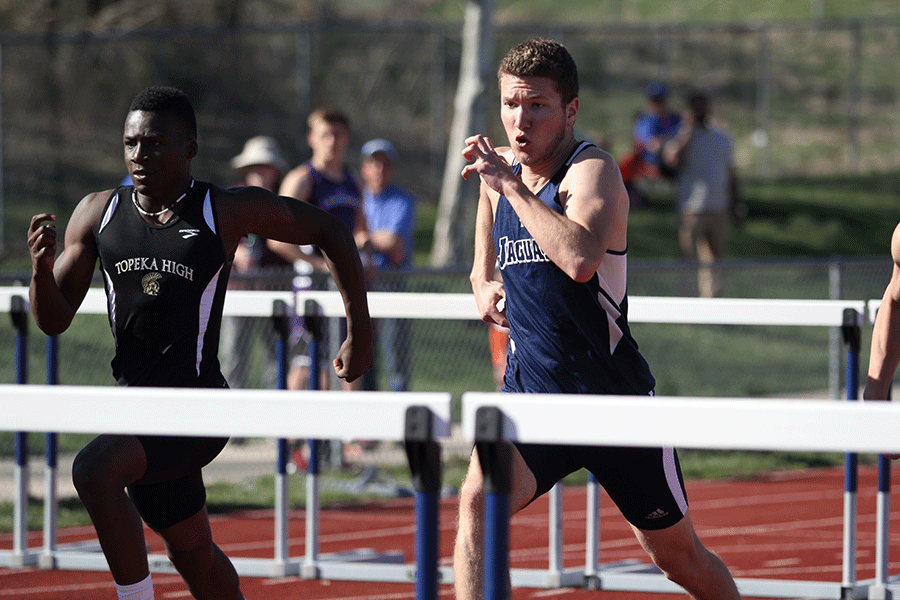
[324, 181]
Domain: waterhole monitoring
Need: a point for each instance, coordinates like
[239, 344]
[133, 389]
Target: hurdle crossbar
[211, 412]
[205, 412]
[711, 423]
[641, 309]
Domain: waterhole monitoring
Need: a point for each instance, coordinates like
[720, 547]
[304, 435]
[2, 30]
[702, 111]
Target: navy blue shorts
[645, 483]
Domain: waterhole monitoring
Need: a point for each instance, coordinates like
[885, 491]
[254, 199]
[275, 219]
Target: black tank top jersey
[165, 287]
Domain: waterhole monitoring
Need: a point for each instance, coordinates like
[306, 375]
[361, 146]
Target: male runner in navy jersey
[552, 215]
[165, 248]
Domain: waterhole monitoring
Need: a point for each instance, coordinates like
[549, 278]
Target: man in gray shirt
[708, 191]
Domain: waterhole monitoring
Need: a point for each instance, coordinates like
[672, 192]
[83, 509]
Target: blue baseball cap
[657, 90]
[379, 145]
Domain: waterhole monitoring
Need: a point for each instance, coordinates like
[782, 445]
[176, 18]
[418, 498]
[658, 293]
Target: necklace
[147, 213]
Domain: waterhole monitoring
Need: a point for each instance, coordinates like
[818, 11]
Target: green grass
[640, 11]
[789, 218]
[71, 513]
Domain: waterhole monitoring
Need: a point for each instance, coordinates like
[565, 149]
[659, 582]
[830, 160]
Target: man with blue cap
[390, 214]
[656, 126]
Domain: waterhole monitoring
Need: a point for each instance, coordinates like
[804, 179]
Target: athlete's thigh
[522, 481]
[717, 234]
[679, 540]
[113, 457]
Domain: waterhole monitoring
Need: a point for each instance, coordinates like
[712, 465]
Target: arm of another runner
[884, 355]
[488, 291]
[59, 283]
[254, 210]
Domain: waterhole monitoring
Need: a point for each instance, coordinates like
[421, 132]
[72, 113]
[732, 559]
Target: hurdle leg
[47, 559]
[882, 526]
[281, 510]
[424, 455]
[20, 555]
[281, 326]
[592, 534]
[555, 531]
[879, 589]
[310, 568]
[494, 457]
[850, 329]
[848, 571]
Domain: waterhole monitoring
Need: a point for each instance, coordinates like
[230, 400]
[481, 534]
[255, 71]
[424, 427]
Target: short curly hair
[169, 100]
[543, 58]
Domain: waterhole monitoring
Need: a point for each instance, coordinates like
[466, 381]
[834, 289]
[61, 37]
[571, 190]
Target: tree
[452, 230]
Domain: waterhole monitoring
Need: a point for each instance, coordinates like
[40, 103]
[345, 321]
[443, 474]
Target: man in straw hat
[259, 164]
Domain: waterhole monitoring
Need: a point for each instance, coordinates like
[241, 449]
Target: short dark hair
[543, 58]
[329, 116]
[168, 100]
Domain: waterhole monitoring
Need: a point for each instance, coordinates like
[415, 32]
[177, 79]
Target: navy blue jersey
[565, 336]
[165, 287]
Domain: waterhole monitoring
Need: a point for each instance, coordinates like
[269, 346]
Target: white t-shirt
[704, 175]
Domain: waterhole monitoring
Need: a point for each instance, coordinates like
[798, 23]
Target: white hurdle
[689, 423]
[410, 305]
[206, 412]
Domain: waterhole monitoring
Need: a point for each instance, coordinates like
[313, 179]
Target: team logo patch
[150, 283]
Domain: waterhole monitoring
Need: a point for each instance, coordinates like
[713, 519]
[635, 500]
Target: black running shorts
[171, 489]
[645, 483]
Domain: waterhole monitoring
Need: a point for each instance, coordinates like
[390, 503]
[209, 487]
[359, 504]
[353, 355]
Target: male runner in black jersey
[165, 248]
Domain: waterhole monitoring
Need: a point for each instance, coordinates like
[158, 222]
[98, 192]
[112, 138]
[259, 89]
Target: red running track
[784, 525]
